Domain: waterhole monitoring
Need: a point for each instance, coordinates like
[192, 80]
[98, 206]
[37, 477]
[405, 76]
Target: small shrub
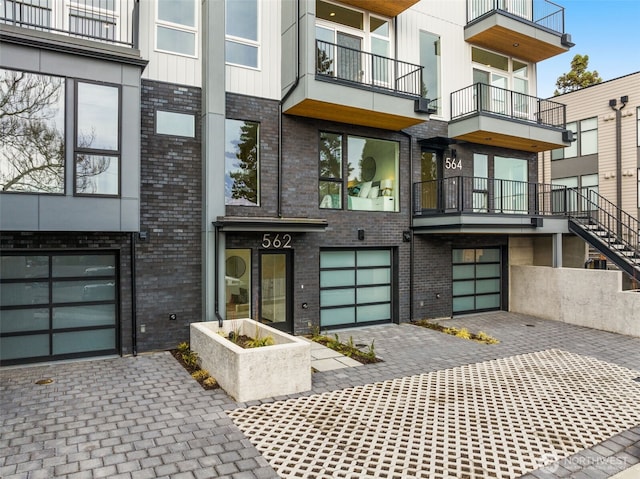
[183, 347]
[210, 382]
[190, 358]
[260, 342]
[463, 333]
[200, 374]
[485, 338]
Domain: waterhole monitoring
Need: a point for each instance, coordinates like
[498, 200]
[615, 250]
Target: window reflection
[241, 163]
[32, 126]
[97, 117]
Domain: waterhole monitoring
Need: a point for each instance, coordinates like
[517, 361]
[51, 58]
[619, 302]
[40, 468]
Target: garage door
[477, 280]
[355, 287]
[57, 306]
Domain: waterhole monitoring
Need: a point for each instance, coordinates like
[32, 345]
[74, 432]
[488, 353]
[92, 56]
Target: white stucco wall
[584, 297]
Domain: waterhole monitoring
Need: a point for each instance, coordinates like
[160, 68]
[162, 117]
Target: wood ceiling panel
[506, 141]
[516, 44]
[356, 116]
[387, 8]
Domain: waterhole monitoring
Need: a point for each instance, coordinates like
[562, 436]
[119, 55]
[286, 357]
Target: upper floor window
[343, 33]
[585, 133]
[32, 150]
[500, 71]
[175, 124]
[97, 148]
[241, 46]
[368, 176]
[430, 59]
[638, 129]
[242, 166]
[176, 26]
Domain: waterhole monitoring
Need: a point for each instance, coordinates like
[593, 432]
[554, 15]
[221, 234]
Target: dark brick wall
[119, 243]
[169, 263]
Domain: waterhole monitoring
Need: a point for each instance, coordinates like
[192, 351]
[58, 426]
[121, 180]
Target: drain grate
[498, 418]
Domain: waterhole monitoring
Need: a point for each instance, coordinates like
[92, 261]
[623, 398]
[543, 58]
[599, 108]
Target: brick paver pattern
[144, 417]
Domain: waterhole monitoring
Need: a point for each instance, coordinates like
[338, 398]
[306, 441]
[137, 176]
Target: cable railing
[542, 13]
[109, 21]
[364, 68]
[482, 98]
[465, 194]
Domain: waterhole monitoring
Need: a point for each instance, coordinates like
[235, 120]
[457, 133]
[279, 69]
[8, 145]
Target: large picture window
[242, 164]
[32, 125]
[97, 146]
[176, 26]
[241, 46]
[369, 177]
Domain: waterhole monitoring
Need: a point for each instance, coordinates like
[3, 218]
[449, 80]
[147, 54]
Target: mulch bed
[176, 354]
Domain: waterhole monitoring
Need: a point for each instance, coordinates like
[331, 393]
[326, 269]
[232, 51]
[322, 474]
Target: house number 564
[276, 241]
[452, 163]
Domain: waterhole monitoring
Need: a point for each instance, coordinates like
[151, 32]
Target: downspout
[411, 246]
[134, 308]
[284, 98]
[612, 104]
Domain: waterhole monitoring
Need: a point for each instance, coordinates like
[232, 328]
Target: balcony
[358, 87]
[113, 22]
[473, 204]
[494, 116]
[531, 30]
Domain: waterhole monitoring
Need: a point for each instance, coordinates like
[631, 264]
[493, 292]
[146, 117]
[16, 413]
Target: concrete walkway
[144, 417]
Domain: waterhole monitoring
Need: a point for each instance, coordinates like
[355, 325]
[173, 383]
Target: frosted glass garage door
[355, 287]
[477, 280]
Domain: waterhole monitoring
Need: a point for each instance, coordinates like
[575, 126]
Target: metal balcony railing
[110, 21]
[464, 194]
[482, 98]
[542, 13]
[363, 68]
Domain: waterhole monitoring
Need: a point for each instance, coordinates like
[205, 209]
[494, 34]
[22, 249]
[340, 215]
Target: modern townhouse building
[603, 163]
[310, 163]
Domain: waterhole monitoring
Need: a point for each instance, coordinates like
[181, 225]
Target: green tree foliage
[245, 178]
[579, 77]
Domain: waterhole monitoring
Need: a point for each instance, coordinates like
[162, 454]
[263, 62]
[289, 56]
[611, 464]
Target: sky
[606, 30]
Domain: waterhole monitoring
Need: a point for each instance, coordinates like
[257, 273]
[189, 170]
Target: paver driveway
[144, 417]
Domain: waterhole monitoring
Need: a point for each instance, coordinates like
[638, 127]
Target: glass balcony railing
[363, 68]
[110, 21]
[482, 98]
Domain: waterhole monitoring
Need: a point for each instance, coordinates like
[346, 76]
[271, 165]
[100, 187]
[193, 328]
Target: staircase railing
[593, 209]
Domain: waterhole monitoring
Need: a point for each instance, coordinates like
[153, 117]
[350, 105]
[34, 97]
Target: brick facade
[169, 277]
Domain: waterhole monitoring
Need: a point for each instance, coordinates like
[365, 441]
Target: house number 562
[276, 241]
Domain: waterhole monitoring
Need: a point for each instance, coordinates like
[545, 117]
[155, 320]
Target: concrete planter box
[257, 373]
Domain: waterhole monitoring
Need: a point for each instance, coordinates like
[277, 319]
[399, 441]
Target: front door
[431, 174]
[275, 289]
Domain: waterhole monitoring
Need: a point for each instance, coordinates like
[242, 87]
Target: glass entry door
[275, 289]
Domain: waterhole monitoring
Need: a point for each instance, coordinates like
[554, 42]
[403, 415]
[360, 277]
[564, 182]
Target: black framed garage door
[477, 280]
[355, 287]
[58, 305]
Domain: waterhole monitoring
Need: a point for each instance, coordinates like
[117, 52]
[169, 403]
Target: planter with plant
[252, 373]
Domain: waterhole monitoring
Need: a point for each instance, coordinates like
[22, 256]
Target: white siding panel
[446, 19]
[265, 81]
[167, 67]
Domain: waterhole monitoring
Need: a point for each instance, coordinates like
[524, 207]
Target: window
[513, 193]
[371, 171]
[242, 164]
[97, 148]
[330, 170]
[588, 136]
[241, 46]
[32, 150]
[430, 59]
[572, 150]
[480, 183]
[175, 124]
[564, 197]
[238, 283]
[176, 26]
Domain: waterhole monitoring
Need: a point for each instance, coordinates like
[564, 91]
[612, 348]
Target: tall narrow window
[480, 183]
[176, 26]
[589, 136]
[572, 150]
[242, 164]
[430, 59]
[330, 190]
[97, 149]
[241, 47]
[32, 125]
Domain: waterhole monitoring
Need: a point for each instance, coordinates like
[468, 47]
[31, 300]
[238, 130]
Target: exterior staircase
[612, 232]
